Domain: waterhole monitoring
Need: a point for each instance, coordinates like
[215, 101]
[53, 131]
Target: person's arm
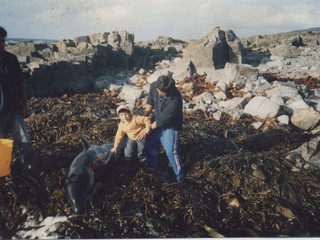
[147, 123]
[118, 138]
[150, 101]
[19, 78]
[147, 110]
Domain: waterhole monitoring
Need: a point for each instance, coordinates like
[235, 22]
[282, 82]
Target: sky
[148, 19]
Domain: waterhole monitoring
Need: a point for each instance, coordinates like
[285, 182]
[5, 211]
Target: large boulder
[214, 50]
[235, 48]
[240, 73]
[261, 107]
[57, 78]
[306, 118]
[307, 156]
[97, 38]
[130, 93]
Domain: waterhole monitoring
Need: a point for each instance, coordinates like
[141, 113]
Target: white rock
[257, 125]
[261, 107]
[134, 79]
[297, 103]
[130, 93]
[222, 86]
[113, 87]
[305, 118]
[217, 115]
[220, 95]
[236, 102]
[283, 119]
[240, 73]
[286, 91]
[262, 84]
[277, 99]
[204, 98]
[279, 64]
[142, 71]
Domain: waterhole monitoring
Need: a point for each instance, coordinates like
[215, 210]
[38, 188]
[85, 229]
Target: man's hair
[3, 32]
[165, 84]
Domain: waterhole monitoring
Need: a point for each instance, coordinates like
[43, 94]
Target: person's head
[165, 86]
[124, 113]
[3, 35]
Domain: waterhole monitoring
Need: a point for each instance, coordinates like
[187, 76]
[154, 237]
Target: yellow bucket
[5, 156]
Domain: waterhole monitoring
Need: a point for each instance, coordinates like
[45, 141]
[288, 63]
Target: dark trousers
[134, 147]
[13, 123]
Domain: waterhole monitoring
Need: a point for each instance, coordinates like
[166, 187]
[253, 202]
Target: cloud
[299, 16]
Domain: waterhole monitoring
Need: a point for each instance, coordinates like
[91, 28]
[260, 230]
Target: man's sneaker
[179, 178]
[143, 160]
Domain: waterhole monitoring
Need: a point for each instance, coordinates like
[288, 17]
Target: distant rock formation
[214, 50]
[70, 66]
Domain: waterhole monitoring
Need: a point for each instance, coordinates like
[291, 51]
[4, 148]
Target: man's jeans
[133, 146]
[14, 124]
[169, 139]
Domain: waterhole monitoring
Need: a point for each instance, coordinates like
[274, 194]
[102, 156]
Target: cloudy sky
[147, 19]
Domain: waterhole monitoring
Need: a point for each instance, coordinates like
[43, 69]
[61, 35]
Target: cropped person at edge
[166, 101]
[13, 104]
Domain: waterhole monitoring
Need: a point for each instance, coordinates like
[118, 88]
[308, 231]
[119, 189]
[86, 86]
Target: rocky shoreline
[250, 138]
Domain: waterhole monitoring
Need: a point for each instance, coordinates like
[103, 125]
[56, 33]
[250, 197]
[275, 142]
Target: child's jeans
[132, 147]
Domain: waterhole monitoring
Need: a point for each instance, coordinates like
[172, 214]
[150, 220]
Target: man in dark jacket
[13, 104]
[166, 101]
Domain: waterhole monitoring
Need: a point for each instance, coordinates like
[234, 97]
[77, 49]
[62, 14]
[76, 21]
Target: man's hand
[143, 134]
[147, 110]
[154, 125]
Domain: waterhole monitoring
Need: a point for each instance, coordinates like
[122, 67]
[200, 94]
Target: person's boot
[179, 178]
[29, 160]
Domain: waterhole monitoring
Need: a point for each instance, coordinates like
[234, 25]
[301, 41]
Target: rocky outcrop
[69, 66]
[214, 50]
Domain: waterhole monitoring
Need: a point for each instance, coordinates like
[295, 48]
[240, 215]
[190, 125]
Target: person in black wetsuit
[13, 104]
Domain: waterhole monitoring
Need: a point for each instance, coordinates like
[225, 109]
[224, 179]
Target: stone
[261, 107]
[306, 118]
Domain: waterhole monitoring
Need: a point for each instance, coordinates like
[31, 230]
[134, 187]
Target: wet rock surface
[237, 183]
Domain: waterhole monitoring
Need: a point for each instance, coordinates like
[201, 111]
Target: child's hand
[113, 150]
